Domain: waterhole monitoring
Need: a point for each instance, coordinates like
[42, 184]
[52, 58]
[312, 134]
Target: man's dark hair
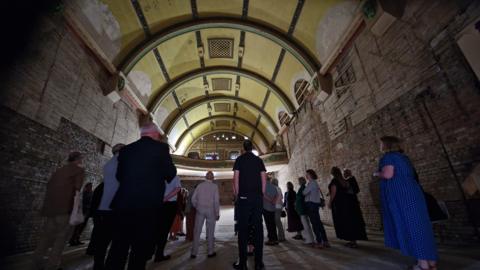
[74, 156]
[248, 145]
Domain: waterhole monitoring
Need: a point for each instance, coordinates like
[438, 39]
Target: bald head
[210, 176]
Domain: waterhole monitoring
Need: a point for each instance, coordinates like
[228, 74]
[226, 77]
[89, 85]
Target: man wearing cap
[57, 207]
[249, 180]
[143, 168]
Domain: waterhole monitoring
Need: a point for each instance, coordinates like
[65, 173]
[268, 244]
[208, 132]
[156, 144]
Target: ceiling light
[223, 135]
[218, 139]
[234, 137]
[246, 138]
[226, 138]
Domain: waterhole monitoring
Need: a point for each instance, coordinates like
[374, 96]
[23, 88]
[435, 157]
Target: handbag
[283, 214]
[322, 199]
[76, 217]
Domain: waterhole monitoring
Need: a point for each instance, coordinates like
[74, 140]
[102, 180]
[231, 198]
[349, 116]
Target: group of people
[137, 203]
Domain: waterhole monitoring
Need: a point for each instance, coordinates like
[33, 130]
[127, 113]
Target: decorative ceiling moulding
[222, 123]
[220, 117]
[214, 98]
[193, 74]
[288, 43]
[220, 47]
[222, 107]
[221, 84]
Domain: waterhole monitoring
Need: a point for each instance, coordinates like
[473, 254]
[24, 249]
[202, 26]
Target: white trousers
[200, 218]
[307, 229]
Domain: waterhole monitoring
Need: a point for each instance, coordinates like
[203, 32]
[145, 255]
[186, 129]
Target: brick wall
[51, 103]
[417, 53]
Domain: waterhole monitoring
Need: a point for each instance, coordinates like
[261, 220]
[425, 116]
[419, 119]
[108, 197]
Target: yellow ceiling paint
[163, 13]
[277, 13]
[149, 65]
[190, 90]
[217, 7]
[290, 70]
[180, 54]
[252, 91]
[260, 55]
[312, 13]
[132, 32]
[197, 114]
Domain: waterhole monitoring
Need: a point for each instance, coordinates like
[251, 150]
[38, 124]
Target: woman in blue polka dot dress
[407, 226]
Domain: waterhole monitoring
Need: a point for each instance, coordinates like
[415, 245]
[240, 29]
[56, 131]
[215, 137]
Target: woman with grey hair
[300, 208]
[278, 211]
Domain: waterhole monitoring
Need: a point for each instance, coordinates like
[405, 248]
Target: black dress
[347, 215]
[293, 219]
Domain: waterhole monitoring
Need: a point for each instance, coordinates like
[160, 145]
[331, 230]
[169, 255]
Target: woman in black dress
[294, 222]
[347, 215]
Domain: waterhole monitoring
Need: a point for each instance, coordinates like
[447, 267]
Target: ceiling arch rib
[282, 39]
[218, 131]
[221, 117]
[196, 103]
[193, 74]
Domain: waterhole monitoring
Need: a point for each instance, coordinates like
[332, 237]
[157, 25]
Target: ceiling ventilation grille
[220, 47]
[221, 84]
[222, 123]
[222, 107]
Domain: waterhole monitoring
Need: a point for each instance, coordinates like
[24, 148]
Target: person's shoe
[236, 265]
[260, 267]
[212, 255]
[326, 245]
[193, 256]
[80, 243]
[181, 234]
[162, 258]
[298, 237]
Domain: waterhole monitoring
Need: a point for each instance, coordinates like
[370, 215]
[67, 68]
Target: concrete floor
[288, 255]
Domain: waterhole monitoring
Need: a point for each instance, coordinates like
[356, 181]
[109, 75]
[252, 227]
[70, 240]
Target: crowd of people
[141, 204]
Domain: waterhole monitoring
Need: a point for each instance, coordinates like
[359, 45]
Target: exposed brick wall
[30, 154]
[418, 52]
[51, 103]
[224, 188]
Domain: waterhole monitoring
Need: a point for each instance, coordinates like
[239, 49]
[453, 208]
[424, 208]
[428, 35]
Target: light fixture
[218, 139]
[246, 138]
[234, 137]
[223, 135]
[226, 138]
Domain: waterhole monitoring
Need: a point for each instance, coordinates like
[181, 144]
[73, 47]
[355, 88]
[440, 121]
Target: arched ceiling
[198, 63]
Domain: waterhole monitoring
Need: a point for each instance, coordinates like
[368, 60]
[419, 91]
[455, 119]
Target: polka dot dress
[407, 226]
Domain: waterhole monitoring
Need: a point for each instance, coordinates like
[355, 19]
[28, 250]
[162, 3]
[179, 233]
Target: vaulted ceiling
[205, 65]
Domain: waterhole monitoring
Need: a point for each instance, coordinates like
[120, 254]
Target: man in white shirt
[102, 214]
[278, 211]
[206, 201]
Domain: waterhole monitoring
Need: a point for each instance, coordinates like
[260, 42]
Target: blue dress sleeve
[387, 159]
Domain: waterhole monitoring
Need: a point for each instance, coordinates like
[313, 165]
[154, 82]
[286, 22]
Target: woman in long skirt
[406, 222]
[293, 219]
[346, 212]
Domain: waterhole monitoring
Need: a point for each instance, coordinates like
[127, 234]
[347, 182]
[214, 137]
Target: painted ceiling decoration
[186, 58]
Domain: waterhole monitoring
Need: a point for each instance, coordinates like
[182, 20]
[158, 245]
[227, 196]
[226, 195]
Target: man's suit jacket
[143, 168]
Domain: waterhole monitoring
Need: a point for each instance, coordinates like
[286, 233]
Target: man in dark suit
[143, 168]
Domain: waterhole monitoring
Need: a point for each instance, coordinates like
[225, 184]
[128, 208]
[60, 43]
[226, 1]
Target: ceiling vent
[220, 47]
[222, 107]
[221, 84]
[222, 123]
